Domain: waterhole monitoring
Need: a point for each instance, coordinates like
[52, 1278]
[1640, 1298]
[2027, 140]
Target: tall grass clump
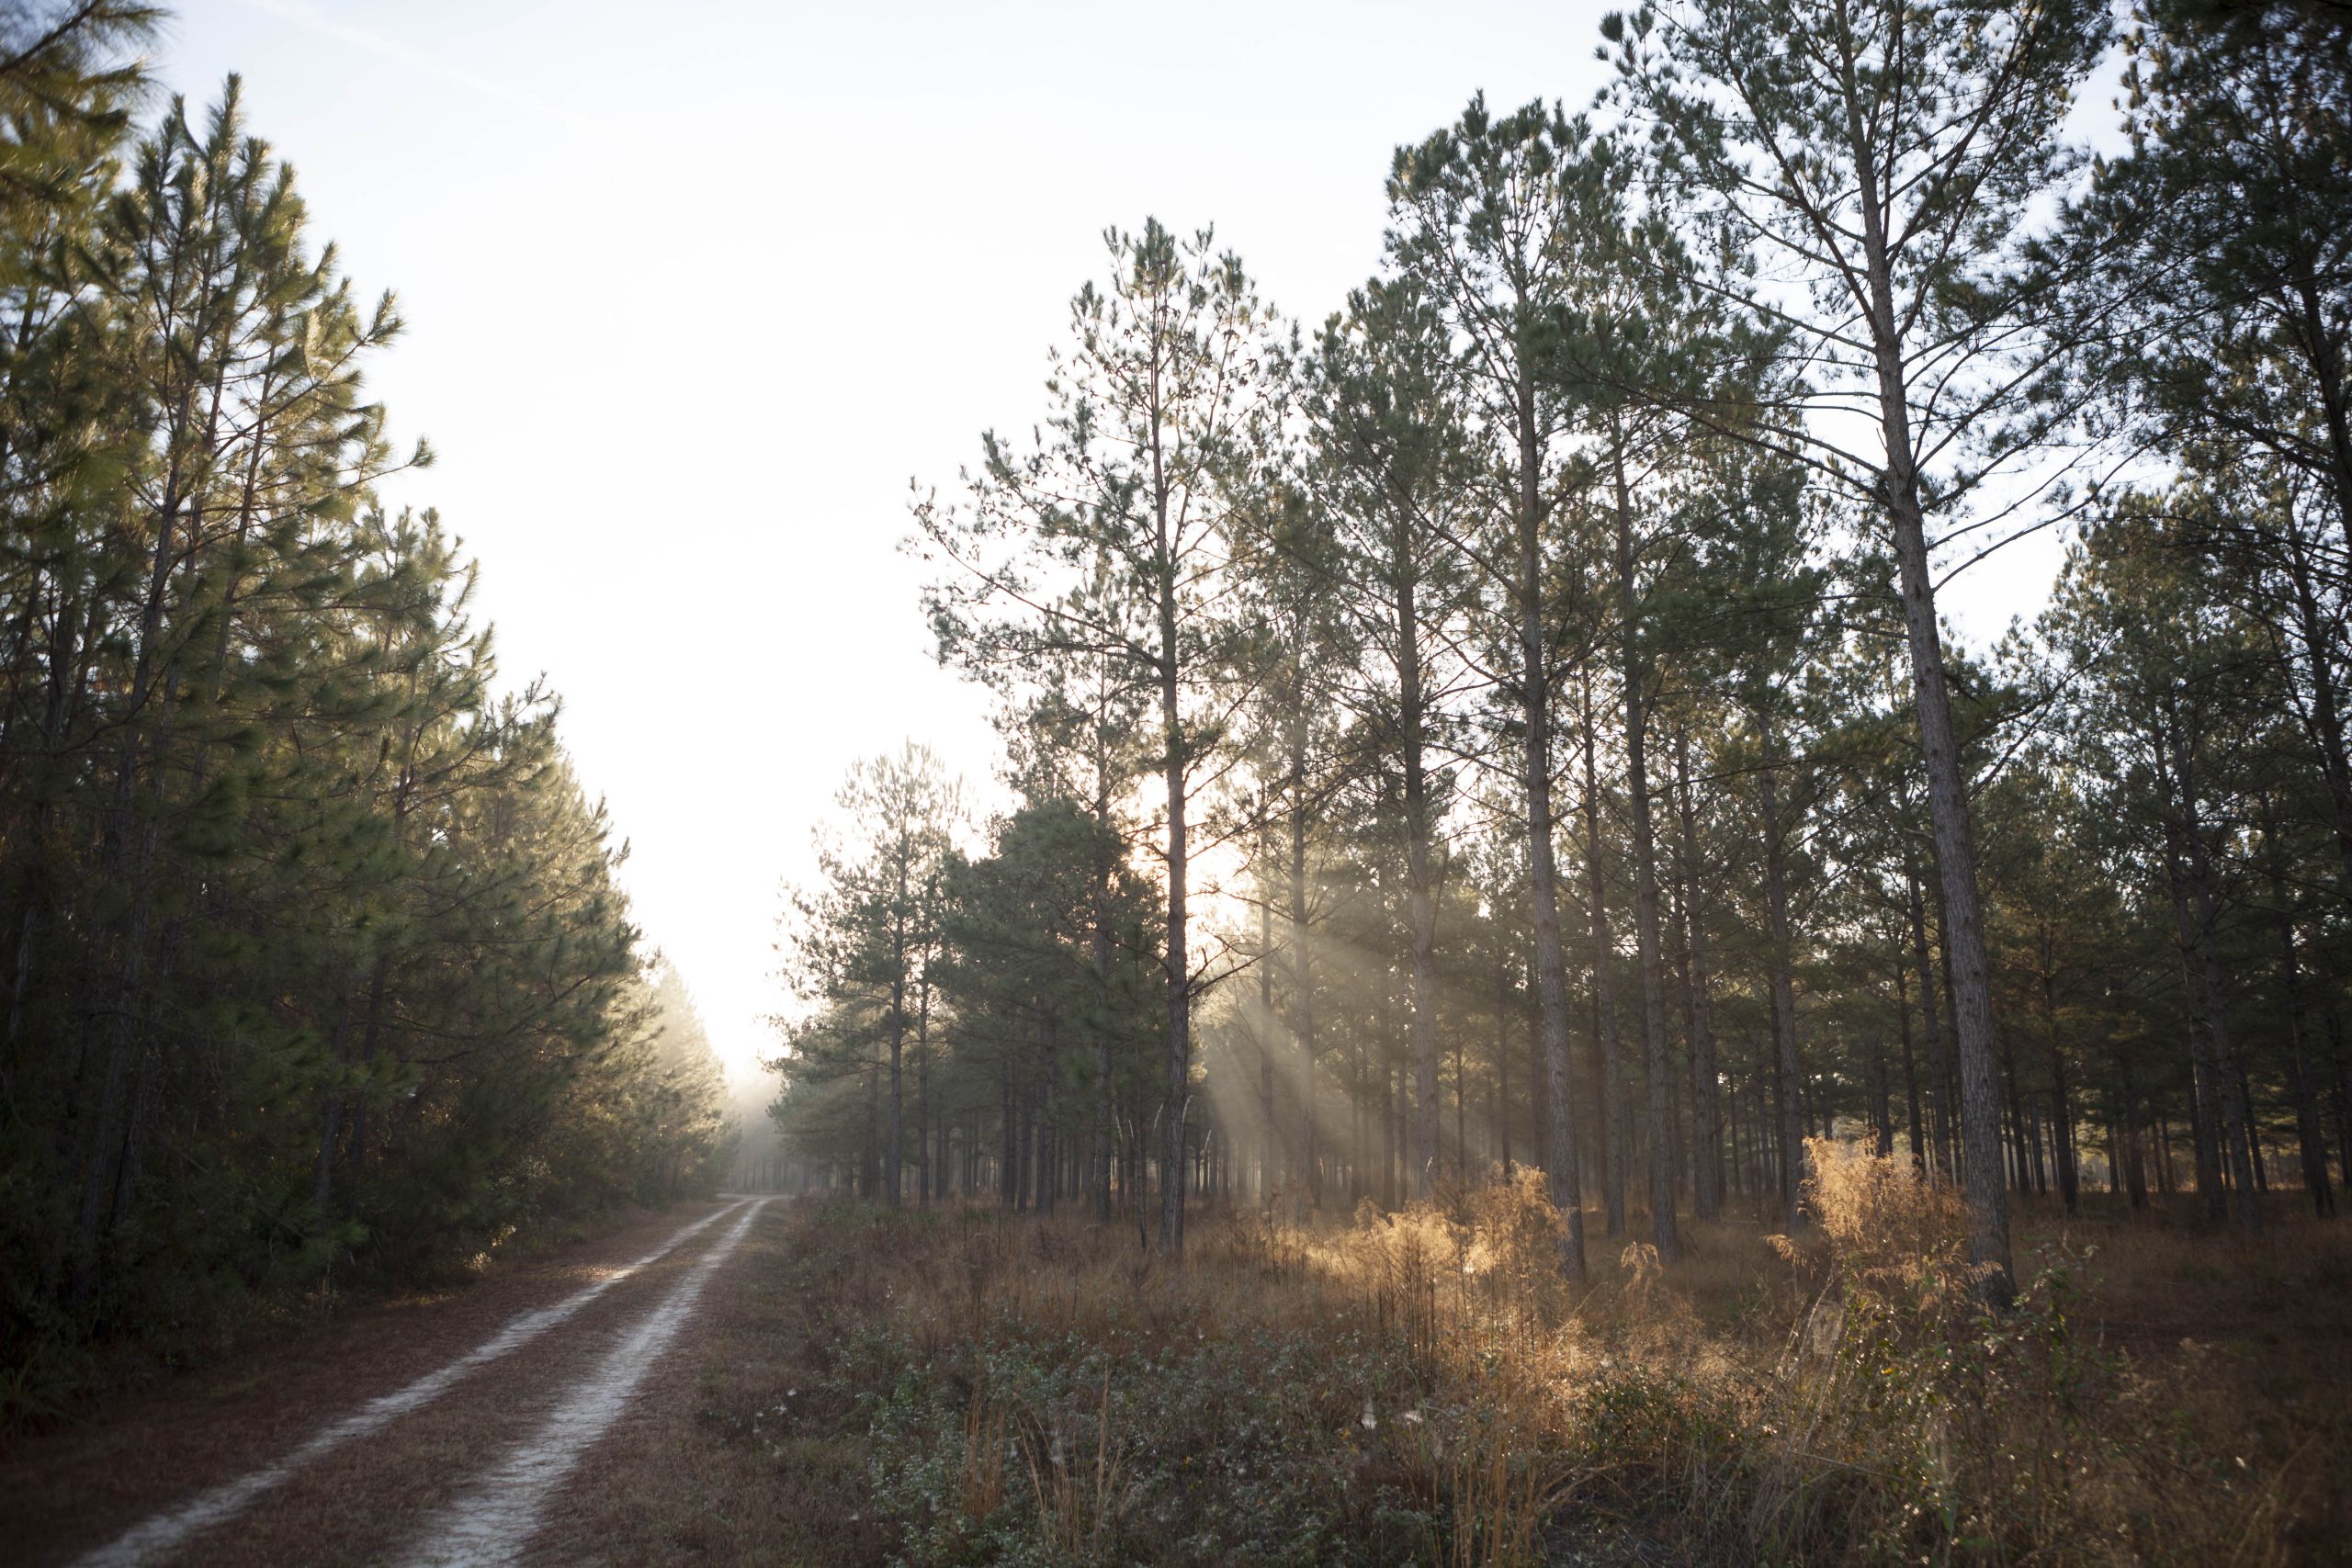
[1875, 1410]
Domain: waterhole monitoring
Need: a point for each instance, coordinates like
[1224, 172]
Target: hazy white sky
[694, 289]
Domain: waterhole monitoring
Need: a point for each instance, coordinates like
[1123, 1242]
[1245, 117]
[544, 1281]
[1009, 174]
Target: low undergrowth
[1425, 1387]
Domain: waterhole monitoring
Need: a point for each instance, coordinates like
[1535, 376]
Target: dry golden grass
[1425, 1386]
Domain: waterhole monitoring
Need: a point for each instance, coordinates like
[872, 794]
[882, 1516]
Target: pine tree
[1890, 154]
[1391, 461]
[864, 931]
[1107, 541]
[1485, 215]
[316, 958]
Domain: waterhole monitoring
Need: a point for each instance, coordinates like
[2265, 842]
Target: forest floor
[803, 1383]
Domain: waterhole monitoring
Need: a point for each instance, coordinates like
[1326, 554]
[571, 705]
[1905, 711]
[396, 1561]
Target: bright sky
[694, 289]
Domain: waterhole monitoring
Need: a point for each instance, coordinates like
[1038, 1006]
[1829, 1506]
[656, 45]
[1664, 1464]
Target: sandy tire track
[717, 1460]
[497, 1519]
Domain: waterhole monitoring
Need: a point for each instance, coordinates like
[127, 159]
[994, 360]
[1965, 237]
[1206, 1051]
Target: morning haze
[1270, 784]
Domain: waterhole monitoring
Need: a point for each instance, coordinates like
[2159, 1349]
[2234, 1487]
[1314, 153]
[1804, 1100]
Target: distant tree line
[312, 958]
[1512, 722]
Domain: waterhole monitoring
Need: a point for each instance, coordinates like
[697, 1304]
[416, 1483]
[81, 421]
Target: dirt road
[480, 1428]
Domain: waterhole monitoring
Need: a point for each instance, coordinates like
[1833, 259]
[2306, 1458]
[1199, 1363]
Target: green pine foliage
[314, 962]
[1515, 724]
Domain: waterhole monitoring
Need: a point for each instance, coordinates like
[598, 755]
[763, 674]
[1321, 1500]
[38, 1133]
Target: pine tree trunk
[1659, 1076]
[2135, 1171]
[2253, 1132]
[1930, 1023]
[1049, 1162]
[2340, 1063]
[1780, 960]
[1502, 1062]
[1009, 1167]
[1302, 958]
[1174, 777]
[1420, 891]
[1910, 1071]
[2062, 1137]
[1105, 1116]
[1608, 1061]
[2019, 1155]
[2318, 631]
[1882, 1143]
[1538, 1088]
[1535, 779]
[925, 1177]
[1269, 1125]
[2310, 1140]
[1706, 1115]
[894, 1155]
[1737, 1185]
[2205, 1145]
[2233, 1126]
[1971, 970]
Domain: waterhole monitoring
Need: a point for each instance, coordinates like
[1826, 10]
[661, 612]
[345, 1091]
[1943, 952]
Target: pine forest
[1515, 990]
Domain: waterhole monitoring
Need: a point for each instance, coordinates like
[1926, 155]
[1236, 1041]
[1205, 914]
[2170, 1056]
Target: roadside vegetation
[316, 973]
[1424, 1386]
